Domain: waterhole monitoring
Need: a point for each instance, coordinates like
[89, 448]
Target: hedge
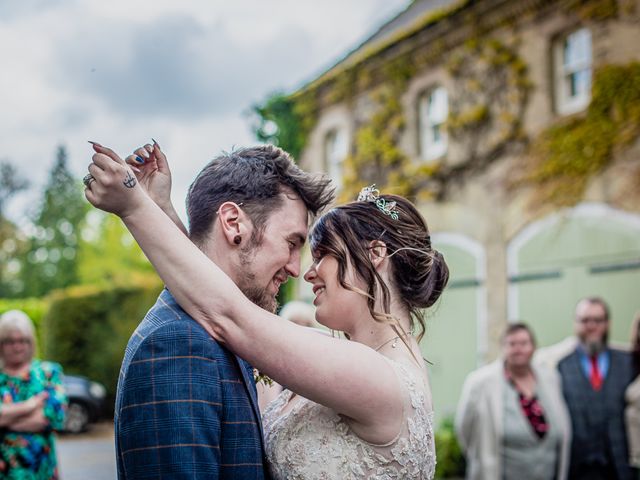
[86, 328]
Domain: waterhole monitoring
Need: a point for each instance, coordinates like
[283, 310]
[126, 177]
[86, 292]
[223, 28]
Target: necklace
[393, 345]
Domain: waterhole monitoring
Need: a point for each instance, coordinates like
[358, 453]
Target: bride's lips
[317, 291]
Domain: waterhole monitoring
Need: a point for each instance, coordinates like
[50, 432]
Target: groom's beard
[260, 297]
[247, 280]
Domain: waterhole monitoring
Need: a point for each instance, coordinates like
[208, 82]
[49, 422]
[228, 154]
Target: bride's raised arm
[346, 376]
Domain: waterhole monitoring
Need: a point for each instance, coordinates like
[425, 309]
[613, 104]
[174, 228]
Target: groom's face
[269, 262]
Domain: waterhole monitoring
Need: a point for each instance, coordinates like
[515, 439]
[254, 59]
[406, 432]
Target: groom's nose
[293, 266]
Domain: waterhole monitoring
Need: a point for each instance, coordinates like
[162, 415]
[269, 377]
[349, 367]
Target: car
[86, 402]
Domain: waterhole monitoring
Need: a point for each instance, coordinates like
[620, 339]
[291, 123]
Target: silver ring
[88, 178]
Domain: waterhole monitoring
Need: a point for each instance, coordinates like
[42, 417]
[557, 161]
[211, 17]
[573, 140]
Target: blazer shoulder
[571, 357]
[166, 317]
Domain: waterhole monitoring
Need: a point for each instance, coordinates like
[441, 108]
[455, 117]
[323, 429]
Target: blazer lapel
[249, 383]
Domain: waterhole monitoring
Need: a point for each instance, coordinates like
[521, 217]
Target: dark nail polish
[139, 159]
[154, 142]
[94, 143]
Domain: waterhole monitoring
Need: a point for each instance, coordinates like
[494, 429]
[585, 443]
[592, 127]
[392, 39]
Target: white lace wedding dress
[312, 442]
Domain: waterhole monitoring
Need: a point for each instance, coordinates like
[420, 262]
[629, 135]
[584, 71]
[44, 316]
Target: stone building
[515, 126]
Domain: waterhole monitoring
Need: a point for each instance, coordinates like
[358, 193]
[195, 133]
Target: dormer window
[336, 148]
[433, 110]
[573, 66]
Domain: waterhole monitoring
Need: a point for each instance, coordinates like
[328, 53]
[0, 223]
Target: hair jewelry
[372, 194]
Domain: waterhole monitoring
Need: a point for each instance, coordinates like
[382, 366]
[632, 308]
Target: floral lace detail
[312, 442]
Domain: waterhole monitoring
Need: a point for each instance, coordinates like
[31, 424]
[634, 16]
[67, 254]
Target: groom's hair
[254, 177]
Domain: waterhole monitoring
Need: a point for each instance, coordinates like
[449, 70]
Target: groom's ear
[234, 223]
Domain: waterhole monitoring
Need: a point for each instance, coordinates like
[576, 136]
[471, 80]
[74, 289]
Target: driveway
[89, 455]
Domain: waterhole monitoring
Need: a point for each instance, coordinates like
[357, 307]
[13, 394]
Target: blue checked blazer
[186, 406]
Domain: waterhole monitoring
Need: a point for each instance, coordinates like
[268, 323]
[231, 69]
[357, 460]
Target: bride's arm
[346, 376]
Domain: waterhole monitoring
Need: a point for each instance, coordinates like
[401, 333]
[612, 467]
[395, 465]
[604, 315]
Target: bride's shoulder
[415, 379]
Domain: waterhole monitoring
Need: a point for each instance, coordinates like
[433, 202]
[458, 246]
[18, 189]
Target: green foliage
[285, 121]
[51, 260]
[451, 463]
[592, 9]
[10, 183]
[490, 93]
[569, 154]
[12, 246]
[376, 157]
[108, 254]
[86, 328]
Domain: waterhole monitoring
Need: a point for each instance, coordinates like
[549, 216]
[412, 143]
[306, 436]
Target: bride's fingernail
[139, 159]
[154, 142]
[94, 143]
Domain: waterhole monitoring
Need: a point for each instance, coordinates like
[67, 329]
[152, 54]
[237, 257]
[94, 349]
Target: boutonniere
[261, 377]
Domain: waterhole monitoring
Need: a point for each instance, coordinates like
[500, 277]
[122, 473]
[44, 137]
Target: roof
[414, 18]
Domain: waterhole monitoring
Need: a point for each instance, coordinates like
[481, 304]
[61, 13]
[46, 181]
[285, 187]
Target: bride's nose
[310, 274]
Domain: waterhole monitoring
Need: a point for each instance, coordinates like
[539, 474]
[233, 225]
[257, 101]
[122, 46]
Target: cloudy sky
[184, 72]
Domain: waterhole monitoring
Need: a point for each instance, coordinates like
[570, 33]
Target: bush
[86, 328]
[451, 463]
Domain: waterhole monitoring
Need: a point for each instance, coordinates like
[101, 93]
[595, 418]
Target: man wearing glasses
[594, 378]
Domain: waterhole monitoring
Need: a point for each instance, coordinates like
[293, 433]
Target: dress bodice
[312, 442]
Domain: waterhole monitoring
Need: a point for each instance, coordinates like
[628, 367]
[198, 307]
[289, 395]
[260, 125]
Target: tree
[10, 183]
[109, 254]
[11, 242]
[280, 121]
[51, 261]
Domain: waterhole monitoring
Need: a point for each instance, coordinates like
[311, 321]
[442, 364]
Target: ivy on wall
[489, 93]
[569, 154]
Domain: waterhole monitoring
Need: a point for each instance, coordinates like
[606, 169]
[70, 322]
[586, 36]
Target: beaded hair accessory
[372, 194]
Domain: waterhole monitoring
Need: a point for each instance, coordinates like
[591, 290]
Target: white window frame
[336, 149]
[566, 70]
[433, 111]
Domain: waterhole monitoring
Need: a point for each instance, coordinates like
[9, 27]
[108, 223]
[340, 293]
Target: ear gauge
[237, 239]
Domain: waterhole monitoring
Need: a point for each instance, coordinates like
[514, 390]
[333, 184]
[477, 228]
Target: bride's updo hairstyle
[419, 273]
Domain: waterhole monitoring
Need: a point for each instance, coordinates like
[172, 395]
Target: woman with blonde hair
[33, 402]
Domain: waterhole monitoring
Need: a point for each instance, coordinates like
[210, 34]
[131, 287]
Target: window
[335, 151]
[432, 115]
[573, 71]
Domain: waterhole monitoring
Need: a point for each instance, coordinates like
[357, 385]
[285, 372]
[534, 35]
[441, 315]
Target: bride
[353, 409]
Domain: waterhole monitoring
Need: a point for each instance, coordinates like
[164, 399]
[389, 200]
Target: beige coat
[479, 416]
[632, 420]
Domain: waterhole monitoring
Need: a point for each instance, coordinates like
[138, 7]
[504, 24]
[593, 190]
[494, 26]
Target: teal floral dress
[32, 456]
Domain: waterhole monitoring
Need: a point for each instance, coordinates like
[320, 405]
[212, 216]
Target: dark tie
[596, 377]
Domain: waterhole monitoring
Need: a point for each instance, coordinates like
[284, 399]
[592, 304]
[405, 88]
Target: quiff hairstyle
[254, 177]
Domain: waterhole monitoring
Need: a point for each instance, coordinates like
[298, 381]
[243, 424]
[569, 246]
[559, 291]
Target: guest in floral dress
[32, 403]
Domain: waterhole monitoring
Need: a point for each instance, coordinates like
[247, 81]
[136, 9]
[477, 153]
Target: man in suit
[186, 406]
[594, 379]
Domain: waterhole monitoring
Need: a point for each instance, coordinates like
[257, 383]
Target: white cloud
[182, 71]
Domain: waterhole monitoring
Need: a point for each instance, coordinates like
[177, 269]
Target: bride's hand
[112, 185]
[152, 171]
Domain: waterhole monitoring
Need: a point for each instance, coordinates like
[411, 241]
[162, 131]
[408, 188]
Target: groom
[186, 406]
